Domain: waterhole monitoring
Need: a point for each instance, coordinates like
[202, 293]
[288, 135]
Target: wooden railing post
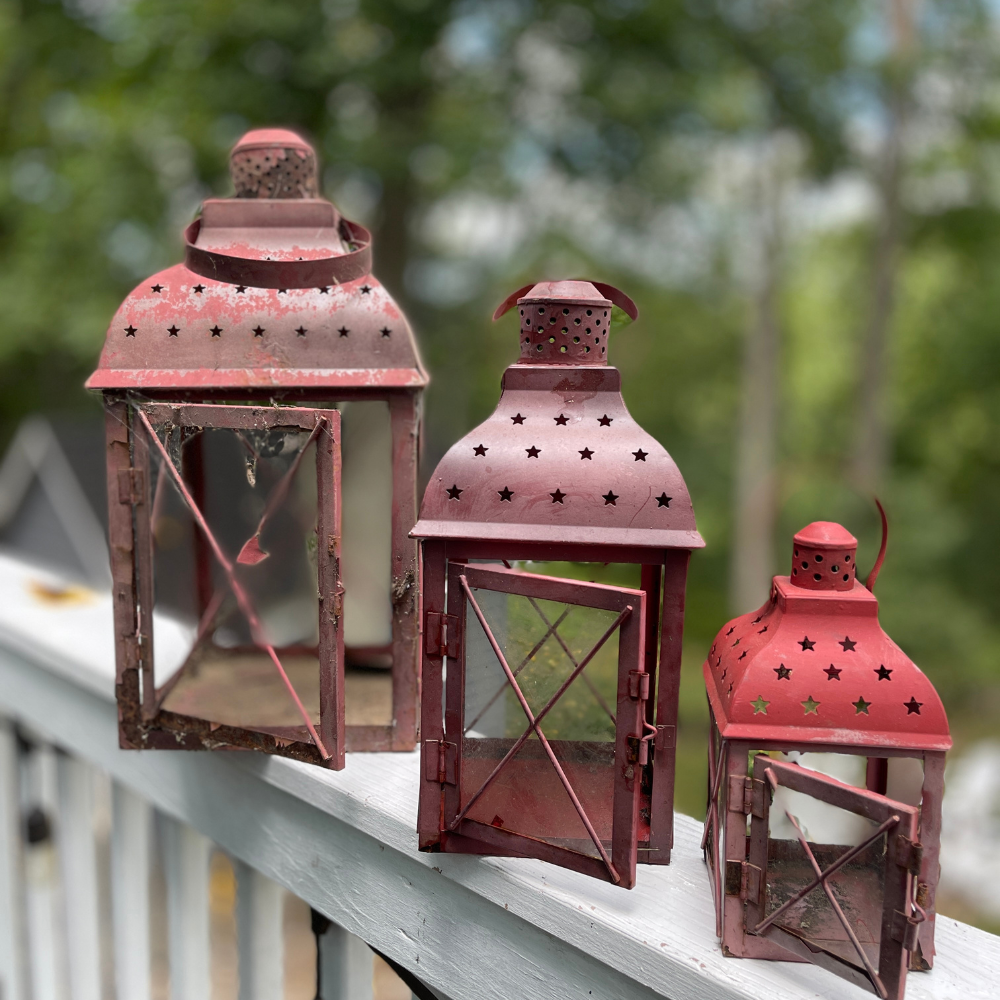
[12, 970]
[259, 907]
[185, 864]
[130, 857]
[344, 963]
[78, 864]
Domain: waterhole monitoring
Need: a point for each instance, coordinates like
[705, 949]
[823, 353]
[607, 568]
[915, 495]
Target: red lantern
[539, 730]
[283, 590]
[827, 764]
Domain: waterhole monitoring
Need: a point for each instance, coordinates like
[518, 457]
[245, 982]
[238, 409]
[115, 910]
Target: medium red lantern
[540, 737]
[826, 778]
[263, 600]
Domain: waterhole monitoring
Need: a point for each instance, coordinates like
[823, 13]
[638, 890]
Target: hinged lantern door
[845, 906]
[236, 546]
[546, 738]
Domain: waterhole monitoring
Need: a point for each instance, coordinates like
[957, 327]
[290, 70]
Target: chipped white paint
[482, 928]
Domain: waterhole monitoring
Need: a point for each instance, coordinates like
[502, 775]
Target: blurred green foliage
[490, 142]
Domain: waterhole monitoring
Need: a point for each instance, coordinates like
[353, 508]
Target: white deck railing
[469, 928]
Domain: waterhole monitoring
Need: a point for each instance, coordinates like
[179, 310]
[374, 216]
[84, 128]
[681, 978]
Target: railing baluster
[78, 858]
[259, 908]
[185, 862]
[46, 942]
[345, 964]
[13, 985]
[130, 857]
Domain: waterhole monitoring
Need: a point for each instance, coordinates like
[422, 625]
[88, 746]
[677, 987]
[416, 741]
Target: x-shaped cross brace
[534, 724]
[242, 597]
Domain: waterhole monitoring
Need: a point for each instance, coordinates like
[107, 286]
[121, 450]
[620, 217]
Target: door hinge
[639, 750]
[440, 634]
[441, 761]
[638, 684]
[746, 795]
[906, 930]
[744, 880]
[909, 854]
[131, 486]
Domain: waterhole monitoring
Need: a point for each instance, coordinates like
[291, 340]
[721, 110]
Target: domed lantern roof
[561, 459]
[275, 292]
[814, 665]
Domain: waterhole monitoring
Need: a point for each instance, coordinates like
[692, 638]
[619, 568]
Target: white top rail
[470, 927]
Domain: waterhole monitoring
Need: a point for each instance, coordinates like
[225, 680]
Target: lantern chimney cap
[274, 163]
[826, 535]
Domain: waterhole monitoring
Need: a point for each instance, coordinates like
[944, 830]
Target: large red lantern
[264, 597]
[539, 733]
[826, 778]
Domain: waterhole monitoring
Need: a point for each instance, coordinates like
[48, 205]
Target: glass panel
[366, 560]
[543, 642]
[233, 475]
[858, 886]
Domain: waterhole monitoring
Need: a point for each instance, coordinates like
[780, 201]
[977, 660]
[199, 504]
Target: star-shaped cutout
[343, 331]
[198, 289]
[157, 288]
[832, 672]
[883, 672]
[609, 498]
[586, 453]
[759, 706]
[518, 419]
[861, 706]
[810, 706]
[216, 331]
[282, 291]
[806, 643]
[385, 331]
[848, 644]
[783, 672]
[258, 331]
[240, 289]
[533, 452]
[640, 455]
[173, 331]
[761, 631]
[130, 330]
[663, 500]
[912, 706]
[301, 331]
[505, 494]
[743, 655]
[480, 450]
[558, 496]
[454, 493]
[562, 420]
[757, 620]
[325, 290]
[731, 631]
[366, 289]
[605, 421]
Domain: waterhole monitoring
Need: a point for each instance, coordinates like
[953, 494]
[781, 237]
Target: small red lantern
[538, 722]
[826, 778]
[284, 591]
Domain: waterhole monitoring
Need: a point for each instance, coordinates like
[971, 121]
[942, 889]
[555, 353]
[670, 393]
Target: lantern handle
[873, 575]
[615, 295]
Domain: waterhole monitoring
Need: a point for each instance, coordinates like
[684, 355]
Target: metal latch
[440, 634]
[906, 930]
[638, 684]
[441, 761]
[131, 486]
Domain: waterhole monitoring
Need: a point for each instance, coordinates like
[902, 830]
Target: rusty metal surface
[560, 471]
[275, 304]
[814, 665]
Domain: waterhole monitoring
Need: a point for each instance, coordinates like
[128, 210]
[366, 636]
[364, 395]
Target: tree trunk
[755, 498]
